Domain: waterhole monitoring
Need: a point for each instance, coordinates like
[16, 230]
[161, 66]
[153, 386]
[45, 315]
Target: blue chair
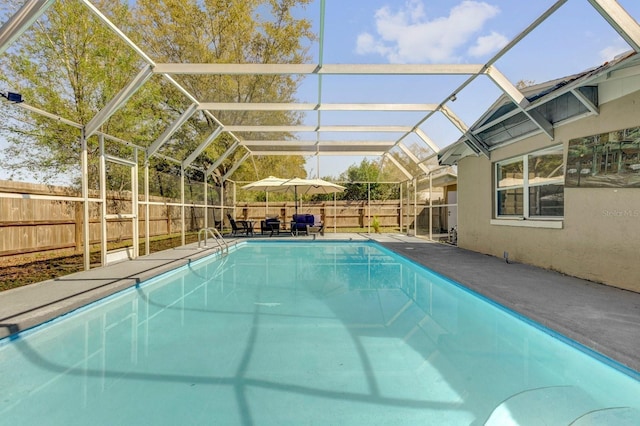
[300, 222]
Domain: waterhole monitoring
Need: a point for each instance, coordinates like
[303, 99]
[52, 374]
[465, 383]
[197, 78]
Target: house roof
[555, 101]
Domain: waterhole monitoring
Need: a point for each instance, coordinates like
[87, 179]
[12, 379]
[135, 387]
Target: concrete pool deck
[602, 318]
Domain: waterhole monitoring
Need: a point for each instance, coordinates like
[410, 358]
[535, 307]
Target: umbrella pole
[295, 196]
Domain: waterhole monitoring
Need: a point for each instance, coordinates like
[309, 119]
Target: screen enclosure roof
[404, 141]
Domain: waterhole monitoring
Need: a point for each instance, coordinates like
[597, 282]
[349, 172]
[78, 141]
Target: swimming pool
[304, 333]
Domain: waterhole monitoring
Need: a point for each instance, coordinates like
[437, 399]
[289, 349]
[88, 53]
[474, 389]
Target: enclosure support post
[85, 197]
[235, 201]
[206, 208]
[222, 215]
[368, 207]
[415, 207]
[430, 207]
[103, 207]
[401, 209]
[408, 209]
[146, 208]
[408, 224]
[182, 204]
[335, 213]
[135, 205]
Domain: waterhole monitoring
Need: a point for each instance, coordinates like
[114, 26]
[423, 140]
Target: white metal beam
[282, 106]
[585, 101]
[507, 88]
[164, 137]
[293, 129]
[63, 120]
[118, 31]
[223, 157]
[320, 153]
[49, 115]
[550, 11]
[117, 101]
[399, 166]
[476, 144]
[520, 100]
[285, 143]
[21, 21]
[545, 125]
[422, 135]
[413, 158]
[202, 147]
[326, 69]
[620, 20]
[236, 165]
[454, 119]
[193, 99]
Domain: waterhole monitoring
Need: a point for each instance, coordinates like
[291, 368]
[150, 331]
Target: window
[531, 186]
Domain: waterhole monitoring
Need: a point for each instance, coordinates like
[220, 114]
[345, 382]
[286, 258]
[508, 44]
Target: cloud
[489, 44]
[407, 35]
[613, 50]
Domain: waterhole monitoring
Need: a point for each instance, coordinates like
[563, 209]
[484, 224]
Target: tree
[71, 64]
[523, 84]
[230, 31]
[68, 64]
[366, 171]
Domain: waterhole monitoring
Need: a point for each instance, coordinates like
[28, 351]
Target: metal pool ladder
[217, 237]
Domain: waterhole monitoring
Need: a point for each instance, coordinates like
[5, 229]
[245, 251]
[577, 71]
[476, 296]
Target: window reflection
[510, 202]
[510, 174]
[546, 200]
[544, 185]
[546, 166]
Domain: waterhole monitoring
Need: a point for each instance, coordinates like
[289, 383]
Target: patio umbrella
[308, 186]
[266, 184]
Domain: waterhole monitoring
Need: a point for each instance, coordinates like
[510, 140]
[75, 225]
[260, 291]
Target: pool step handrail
[216, 236]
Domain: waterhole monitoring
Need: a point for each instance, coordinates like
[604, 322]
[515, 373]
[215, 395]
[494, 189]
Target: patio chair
[240, 226]
[317, 227]
[305, 222]
[270, 224]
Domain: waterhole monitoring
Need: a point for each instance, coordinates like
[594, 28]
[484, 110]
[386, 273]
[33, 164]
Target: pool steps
[567, 405]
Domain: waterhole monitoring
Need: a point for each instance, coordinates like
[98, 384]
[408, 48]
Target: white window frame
[532, 221]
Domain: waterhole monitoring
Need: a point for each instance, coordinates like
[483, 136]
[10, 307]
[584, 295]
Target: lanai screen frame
[610, 10]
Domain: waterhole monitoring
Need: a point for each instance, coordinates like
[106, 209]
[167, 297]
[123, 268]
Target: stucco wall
[600, 238]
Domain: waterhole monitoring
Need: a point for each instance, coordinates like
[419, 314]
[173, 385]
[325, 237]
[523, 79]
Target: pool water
[281, 333]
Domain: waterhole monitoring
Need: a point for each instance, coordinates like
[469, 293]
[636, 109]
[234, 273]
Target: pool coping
[35, 304]
[602, 318]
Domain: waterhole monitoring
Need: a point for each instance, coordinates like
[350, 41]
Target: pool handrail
[215, 234]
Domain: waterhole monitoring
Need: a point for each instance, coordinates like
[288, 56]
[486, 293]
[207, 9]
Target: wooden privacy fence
[30, 225]
[345, 214]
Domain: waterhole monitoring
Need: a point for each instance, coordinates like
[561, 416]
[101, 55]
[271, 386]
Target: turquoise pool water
[300, 333]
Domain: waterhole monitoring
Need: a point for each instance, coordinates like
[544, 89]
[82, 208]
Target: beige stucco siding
[600, 238]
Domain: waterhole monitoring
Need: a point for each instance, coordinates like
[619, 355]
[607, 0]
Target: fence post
[168, 220]
[78, 226]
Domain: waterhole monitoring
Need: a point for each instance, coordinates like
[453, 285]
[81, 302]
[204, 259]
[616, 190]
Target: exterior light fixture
[12, 97]
[453, 98]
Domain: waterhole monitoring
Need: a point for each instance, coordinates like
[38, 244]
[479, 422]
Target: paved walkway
[603, 318]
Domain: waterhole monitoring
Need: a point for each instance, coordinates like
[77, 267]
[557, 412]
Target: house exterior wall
[600, 236]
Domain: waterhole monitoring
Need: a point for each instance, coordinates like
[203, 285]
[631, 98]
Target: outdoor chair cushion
[300, 222]
[303, 218]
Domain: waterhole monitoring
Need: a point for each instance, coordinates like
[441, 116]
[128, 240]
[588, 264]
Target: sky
[573, 39]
